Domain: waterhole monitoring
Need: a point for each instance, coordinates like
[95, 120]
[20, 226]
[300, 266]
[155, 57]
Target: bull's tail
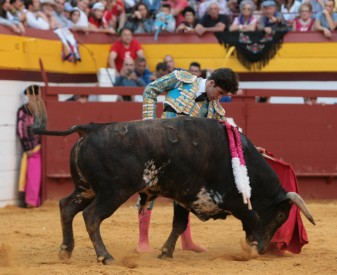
[80, 129]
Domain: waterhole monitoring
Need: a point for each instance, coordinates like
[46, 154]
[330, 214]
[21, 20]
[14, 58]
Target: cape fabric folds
[253, 49]
[291, 235]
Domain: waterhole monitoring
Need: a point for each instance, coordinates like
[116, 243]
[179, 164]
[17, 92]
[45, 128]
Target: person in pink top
[30, 178]
[305, 22]
[126, 46]
[245, 21]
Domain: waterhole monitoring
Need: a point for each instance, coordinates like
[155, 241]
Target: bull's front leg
[180, 220]
[251, 224]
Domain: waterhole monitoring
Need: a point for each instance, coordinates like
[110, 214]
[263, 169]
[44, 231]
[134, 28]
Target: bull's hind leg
[180, 220]
[69, 207]
[103, 206]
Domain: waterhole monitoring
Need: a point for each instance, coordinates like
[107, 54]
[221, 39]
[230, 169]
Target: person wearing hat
[96, 21]
[31, 162]
[271, 19]
[59, 13]
[48, 8]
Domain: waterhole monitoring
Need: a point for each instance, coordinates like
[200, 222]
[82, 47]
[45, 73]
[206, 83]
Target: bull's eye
[281, 216]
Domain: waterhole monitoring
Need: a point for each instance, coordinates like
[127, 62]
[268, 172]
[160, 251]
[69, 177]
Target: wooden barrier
[299, 134]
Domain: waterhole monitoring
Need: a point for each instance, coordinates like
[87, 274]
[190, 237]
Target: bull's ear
[282, 197]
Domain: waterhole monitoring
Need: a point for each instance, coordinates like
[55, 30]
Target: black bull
[185, 159]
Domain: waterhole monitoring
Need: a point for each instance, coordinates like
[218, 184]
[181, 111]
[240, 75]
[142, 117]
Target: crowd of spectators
[126, 17]
[155, 16]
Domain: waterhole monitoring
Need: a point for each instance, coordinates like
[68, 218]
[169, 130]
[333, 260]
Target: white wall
[296, 85]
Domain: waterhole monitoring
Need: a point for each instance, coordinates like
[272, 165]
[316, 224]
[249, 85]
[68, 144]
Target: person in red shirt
[96, 22]
[126, 46]
[115, 15]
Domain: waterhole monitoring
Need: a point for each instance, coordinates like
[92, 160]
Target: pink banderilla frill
[238, 163]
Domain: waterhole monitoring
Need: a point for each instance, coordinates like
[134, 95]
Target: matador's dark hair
[226, 79]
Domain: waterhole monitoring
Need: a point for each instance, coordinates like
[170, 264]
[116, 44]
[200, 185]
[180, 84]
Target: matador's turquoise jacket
[181, 91]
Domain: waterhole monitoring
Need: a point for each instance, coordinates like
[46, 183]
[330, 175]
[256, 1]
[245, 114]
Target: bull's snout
[261, 246]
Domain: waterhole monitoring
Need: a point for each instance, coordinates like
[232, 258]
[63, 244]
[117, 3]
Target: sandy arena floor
[30, 239]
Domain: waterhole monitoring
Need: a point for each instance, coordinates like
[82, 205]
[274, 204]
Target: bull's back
[181, 148]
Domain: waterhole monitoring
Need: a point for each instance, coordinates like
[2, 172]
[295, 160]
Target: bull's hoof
[164, 256]
[64, 255]
[65, 252]
[106, 261]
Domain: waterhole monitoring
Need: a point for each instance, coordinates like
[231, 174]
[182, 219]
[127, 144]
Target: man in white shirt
[35, 18]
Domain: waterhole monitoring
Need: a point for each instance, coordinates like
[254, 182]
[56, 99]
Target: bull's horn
[296, 199]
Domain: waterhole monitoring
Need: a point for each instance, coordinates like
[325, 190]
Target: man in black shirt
[213, 21]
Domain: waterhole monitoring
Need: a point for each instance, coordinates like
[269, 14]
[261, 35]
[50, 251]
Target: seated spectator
[177, 6]
[140, 21]
[59, 13]
[153, 6]
[246, 21]
[96, 22]
[35, 17]
[17, 12]
[74, 18]
[83, 7]
[67, 8]
[141, 70]
[262, 99]
[305, 22]
[80, 98]
[9, 20]
[258, 8]
[48, 8]
[317, 6]
[129, 5]
[170, 63]
[202, 10]
[190, 21]
[126, 46]
[74, 21]
[128, 77]
[161, 70]
[195, 69]
[115, 15]
[213, 21]
[326, 21]
[164, 21]
[310, 100]
[289, 9]
[271, 19]
[232, 9]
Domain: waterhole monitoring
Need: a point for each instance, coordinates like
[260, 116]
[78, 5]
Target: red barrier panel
[299, 134]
